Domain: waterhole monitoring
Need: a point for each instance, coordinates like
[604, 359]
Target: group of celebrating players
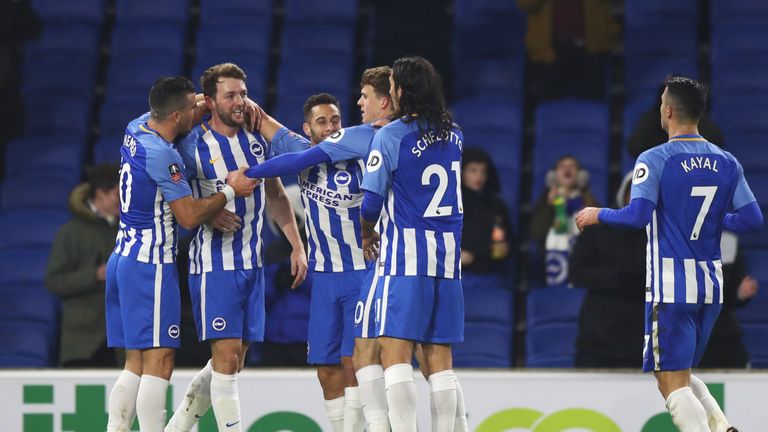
[384, 219]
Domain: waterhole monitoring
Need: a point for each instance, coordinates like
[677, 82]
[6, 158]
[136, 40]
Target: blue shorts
[142, 303]
[228, 304]
[420, 308]
[331, 316]
[676, 334]
[365, 318]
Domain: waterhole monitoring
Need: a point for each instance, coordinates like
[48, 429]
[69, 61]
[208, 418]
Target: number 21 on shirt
[434, 209]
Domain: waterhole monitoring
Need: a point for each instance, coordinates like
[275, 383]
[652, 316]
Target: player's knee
[227, 362]
[331, 378]
[158, 362]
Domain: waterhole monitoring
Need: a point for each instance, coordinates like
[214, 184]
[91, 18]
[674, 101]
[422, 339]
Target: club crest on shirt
[175, 172]
[342, 178]
[257, 149]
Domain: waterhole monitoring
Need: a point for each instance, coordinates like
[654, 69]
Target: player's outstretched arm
[747, 218]
[282, 211]
[288, 163]
[636, 215]
[190, 212]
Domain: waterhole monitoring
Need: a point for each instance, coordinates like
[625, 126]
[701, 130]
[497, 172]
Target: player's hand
[242, 184]
[371, 246]
[748, 288]
[101, 273]
[226, 221]
[298, 267]
[586, 217]
[252, 115]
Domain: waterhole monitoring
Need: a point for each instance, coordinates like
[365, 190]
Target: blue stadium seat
[118, 111]
[746, 146]
[75, 75]
[60, 153]
[739, 77]
[633, 110]
[36, 190]
[11, 361]
[488, 113]
[286, 321]
[31, 304]
[488, 304]
[495, 37]
[756, 262]
[499, 77]
[485, 345]
[21, 266]
[340, 11]
[757, 239]
[572, 116]
[755, 338]
[81, 11]
[310, 75]
[648, 41]
[69, 39]
[137, 40]
[318, 39]
[241, 41]
[503, 147]
[107, 148]
[642, 12]
[25, 228]
[46, 113]
[28, 340]
[470, 12]
[255, 72]
[738, 41]
[644, 75]
[289, 111]
[737, 10]
[754, 312]
[172, 11]
[554, 305]
[134, 77]
[741, 113]
[257, 13]
[551, 345]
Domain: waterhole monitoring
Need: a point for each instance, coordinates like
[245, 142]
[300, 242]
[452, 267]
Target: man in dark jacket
[610, 264]
[77, 267]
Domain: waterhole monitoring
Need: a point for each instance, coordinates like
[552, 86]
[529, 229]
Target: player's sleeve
[636, 215]
[349, 143]
[742, 195]
[286, 141]
[166, 168]
[645, 179]
[288, 163]
[186, 148]
[381, 163]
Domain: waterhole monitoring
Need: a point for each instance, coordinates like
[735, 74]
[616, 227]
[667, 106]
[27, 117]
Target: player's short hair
[422, 92]
[689, 97]
[378, 78]
[103, 177]
[319, 99]
[213, 74]
[169, 94]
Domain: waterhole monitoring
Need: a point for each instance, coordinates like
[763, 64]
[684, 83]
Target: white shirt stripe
[348, 234]
[384, 220]
[655, 231]
[156, 312]
[393, 257]
[318, 254]
[411, 258]
[323, 216]
[431, 253]
[691, 282]
[450, 254]
[708, 285]
[203, 318]
[384, 302]
[648, 295]
[668, 279]
[368, 304]
[719, 275]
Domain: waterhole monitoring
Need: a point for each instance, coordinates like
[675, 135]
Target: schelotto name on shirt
[432, 137]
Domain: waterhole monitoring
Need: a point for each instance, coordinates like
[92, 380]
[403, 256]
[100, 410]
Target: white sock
[354, 421]
[150, 403]
[401, 397]
[335, 410]
[715, 417]
[687, 412]
[122, 402]
[461, 424]
[225, 401]
[442, 400]
[196, 402]
[373, 394]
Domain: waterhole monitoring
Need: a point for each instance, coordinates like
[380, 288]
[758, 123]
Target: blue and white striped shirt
[418, 173]
[693, 183]
[209, 157]
[151, 176]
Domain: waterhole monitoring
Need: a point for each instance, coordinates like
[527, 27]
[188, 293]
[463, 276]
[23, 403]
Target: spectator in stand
[486, 244]
[552, 225]
[567, 43]
[77, 267]
[725, 349]
[648, 132]
[610, 264]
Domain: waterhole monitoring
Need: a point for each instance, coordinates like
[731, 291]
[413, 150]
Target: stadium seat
[89, 12]
[75, 75]
[339, 11]
[758, 239]
[746, 146]
[488, 113]
[554, 305]
[133, 77]
[485, 345]
[483, 39]
[756, 262]
[506, 13]
[51, 191]
[754, 312]
[289, 111]
[738, 41]
[739, 77]
[755, 338]
[499, 77]
[737, 10]
[60, 153]
[26, 265]
[26, 339]
[256, 13]
[287, 319]
[52, 113]
[11, 361]
[504, 148]
[137, 40]
[30, 304]
[318, 39]
[70, 39]
[25, 228]
[643, 76]
[551, 345]
[107, 148]
[489, 304]
[143, 11]
[572, 116]
[118, 111]
[632, 113]
[227, 40]
[642, 12]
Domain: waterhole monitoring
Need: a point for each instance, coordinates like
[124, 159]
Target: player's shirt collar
[687, 137]
[145, 127]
